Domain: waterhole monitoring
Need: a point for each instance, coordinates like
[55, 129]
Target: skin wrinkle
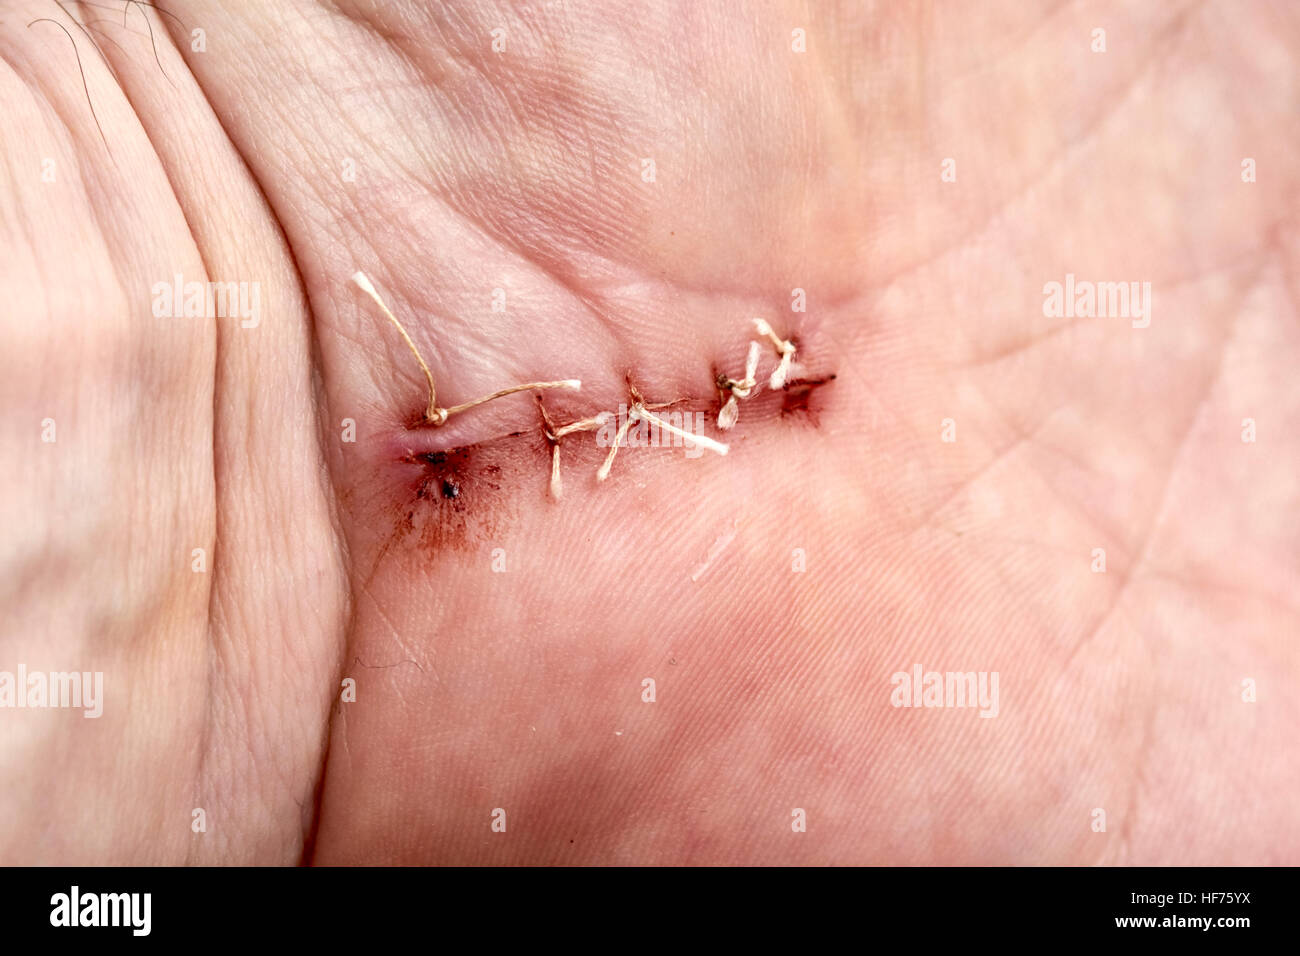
[1168, 38]
[1110, 536]
[606, 326]
[1158, 513]
[217, 660]
[1015, 45]
[81, 69]
[496, 237]
[112, 252]
[1274, 600]
[16, 212]
[1139, 780]
[1032, 437]
[520, 115]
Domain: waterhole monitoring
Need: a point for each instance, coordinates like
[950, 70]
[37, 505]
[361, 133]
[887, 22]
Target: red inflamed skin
[989, 577]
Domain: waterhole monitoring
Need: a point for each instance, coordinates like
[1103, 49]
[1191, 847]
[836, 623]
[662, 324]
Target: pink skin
[478, 689]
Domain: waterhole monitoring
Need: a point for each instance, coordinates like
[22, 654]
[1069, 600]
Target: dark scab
[798, 394]
[442, 474]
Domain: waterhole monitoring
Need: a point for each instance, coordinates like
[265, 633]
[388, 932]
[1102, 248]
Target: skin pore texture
[498, 639]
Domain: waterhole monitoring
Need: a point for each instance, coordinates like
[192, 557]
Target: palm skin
[521, 170]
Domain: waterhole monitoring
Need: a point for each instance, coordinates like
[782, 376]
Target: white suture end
[729, 412]
[777, 380]
[751, 366]
[704, 441]
[557, 486]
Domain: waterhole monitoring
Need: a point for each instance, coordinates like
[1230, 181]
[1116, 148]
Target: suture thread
[732, 390]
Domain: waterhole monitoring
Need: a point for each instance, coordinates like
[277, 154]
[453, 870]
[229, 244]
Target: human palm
[611, 195]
